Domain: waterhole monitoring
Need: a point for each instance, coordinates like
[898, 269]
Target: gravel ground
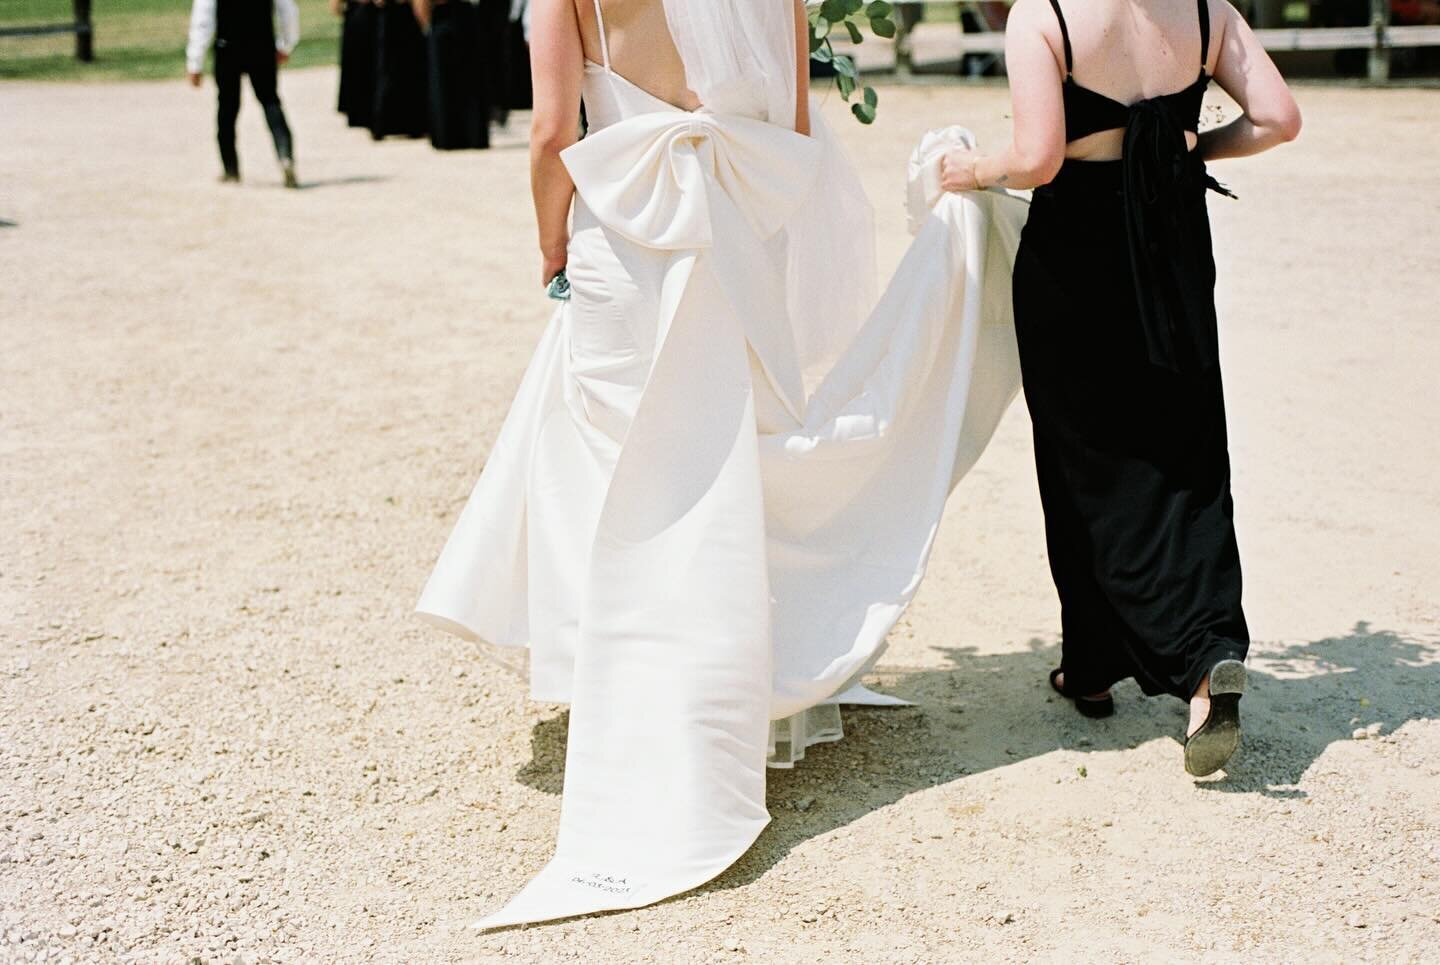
[238, 424]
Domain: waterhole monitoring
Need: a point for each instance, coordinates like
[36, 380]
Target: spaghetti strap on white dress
[709, 503]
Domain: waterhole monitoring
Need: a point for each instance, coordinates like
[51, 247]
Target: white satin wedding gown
[690, 543]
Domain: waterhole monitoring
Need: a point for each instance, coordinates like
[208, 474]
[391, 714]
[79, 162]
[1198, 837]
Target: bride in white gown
[720, 479]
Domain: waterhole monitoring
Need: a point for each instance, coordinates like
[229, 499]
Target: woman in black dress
[357, 60]
[1115, 319]
[400, 95]
[467, 40]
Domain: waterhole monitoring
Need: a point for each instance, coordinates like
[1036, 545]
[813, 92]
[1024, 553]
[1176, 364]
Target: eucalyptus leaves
[851, 14]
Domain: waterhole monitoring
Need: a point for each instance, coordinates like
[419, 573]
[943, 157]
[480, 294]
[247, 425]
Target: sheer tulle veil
[739, 57]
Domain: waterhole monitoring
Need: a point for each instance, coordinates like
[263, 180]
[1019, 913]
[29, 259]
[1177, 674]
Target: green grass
[134, 40]
[145, 39]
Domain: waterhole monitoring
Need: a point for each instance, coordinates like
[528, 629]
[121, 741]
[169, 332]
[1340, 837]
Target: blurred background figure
[466, 49]
[243, 35]
[357, 60]
[1416, 12]
[516, 65]
[400, 104]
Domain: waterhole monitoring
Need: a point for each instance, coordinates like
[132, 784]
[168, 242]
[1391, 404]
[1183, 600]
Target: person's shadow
[984, 712]
[342, 181]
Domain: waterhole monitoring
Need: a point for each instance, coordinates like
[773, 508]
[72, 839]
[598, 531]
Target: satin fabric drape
[746, 548]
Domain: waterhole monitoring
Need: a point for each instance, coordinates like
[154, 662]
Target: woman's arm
[557, 63]
[1037, 146]
[1247, 74]
[802, 69]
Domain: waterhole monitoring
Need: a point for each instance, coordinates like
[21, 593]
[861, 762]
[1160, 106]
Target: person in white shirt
[243, 34]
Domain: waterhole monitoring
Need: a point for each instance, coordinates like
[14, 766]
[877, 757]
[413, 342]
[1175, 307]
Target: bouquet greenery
[825, 17]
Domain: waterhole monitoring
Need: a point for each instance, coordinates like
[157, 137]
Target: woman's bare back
[1131, 50]
[640, 46]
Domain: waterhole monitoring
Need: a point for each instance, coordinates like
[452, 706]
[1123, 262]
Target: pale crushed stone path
[237, 425]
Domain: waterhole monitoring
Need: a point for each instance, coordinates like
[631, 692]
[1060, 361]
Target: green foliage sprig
[850, 14]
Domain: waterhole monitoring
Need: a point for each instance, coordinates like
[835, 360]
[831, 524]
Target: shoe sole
[1211, 747]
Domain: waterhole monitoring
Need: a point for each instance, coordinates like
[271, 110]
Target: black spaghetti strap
[1065, 36]
[1204, 33]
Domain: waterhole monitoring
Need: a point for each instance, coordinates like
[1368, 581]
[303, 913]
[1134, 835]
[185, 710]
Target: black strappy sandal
[1094, 707]
[1215, 741]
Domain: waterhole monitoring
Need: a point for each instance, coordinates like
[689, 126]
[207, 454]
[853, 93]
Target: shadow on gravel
[1307, 696]
[985, 712]
[545, 771]
[341, 182]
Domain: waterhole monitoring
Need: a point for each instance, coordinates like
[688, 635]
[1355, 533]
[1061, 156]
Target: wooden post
[1380, 51]
[84, 32]
[902, 44]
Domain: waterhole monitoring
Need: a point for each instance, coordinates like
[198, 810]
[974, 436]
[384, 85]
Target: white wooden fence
[1379, 37]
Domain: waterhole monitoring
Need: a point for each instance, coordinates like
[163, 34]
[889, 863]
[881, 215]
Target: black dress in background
[400, 104]
[461, 92]
[519, 95]
[357, 62]
[479, 71]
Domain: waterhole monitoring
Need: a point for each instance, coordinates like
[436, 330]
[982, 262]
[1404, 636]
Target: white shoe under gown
[690, 543]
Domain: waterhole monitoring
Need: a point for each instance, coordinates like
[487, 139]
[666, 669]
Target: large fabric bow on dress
[650, 177]
[687, 181]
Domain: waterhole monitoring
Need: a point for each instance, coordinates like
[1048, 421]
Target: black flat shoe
[1215, 741]
[1094, 707]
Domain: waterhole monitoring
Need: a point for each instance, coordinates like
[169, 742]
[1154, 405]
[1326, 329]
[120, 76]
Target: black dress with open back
[1115, 318]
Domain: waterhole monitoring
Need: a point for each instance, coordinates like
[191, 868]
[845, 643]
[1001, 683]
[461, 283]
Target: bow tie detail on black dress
[1169, 235]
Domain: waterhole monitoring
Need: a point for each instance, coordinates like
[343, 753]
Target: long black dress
[401, 104]
[1115, 319]
[465, 48]
[357, 62]
[515, 74]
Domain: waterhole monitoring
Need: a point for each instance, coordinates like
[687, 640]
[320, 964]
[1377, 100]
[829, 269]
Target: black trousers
[460, 92]
[259, 65]
[1131, 458]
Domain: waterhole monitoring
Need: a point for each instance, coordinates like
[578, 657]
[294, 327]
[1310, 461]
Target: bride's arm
[802, 69]
[1037, 147]
[557, 63]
